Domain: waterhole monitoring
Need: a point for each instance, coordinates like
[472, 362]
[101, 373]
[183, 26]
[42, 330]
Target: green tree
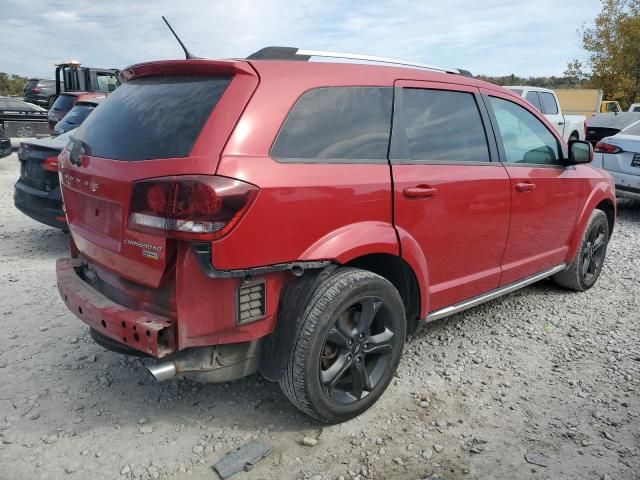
[11, 84]
[613, 43]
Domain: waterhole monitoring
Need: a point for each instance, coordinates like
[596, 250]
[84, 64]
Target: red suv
[299, 219]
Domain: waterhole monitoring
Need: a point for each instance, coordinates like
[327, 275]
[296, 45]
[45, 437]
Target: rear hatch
[168, 119]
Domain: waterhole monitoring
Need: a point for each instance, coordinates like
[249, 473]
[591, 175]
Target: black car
[37, 192]
[608, 125]
[22, 119]
[76, 115]
[5, 144]
[40, 91]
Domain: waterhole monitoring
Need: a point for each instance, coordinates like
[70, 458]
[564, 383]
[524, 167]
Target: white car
[635, 107]
[571, 127]
[620, 156]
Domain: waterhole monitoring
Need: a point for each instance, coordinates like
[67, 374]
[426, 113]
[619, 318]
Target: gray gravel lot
[543, 376]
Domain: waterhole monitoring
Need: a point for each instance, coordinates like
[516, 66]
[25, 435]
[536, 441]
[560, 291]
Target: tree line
[11, 84]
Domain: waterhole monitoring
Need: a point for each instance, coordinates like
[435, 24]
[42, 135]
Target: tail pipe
[163, 371]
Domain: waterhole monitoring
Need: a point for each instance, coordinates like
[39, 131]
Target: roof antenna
[188, 55]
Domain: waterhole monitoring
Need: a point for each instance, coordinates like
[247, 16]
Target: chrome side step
[485, 297]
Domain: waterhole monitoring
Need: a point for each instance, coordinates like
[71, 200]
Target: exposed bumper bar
[140, 330]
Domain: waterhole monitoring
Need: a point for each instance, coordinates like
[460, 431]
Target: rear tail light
[50, 164]
[36, 90]
[602, 147]
[190, 207]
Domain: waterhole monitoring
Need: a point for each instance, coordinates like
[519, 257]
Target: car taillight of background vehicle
[50, 164]
[602, 147]
[190, 207]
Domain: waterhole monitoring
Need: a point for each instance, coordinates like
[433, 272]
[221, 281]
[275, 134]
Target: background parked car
[21, 119]
[635, 107]
[40, 91]
[571, 127]
[76, 115]
[5, 144]
[620, 156]
[609, 124]
[65, 102]
[37, 191]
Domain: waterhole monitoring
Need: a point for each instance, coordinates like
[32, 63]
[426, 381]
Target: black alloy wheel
[594, 252]
[357, 350]
[348, 343]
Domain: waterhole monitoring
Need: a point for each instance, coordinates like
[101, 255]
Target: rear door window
[549, 105]
[153, 117]
[440, 126]
[535, 100]
[337, 124]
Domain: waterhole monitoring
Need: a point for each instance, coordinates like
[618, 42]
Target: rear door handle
[420, 192]
[525, 187]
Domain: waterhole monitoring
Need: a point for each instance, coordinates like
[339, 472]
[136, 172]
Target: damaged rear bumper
[137, 329]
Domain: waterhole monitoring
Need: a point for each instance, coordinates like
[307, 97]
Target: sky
[493, 37]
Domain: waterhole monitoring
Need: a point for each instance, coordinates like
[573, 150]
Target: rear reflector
[250, 303]
[190, 207]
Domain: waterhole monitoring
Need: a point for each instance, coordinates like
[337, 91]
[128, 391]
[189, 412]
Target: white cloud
[493, 37]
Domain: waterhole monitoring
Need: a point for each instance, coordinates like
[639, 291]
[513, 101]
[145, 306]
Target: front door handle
[525, 187]
[419, 192]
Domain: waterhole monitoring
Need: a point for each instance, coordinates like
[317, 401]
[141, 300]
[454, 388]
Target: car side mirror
[580, 152]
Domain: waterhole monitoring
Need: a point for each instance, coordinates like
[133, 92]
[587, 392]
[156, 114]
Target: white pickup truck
[571, 127]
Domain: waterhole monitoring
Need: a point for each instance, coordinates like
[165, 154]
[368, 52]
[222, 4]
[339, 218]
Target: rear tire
[585, 269]
[347, 346]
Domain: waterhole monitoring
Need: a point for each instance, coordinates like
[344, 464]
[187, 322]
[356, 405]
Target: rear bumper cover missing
[140, 330]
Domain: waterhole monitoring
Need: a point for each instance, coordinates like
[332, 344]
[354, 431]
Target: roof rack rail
[292, 53]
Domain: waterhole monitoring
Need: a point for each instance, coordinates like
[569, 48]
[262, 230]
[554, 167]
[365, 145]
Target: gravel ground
[541, 384]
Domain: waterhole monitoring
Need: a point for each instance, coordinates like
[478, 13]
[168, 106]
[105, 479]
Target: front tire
[585, 269]
[347, 346]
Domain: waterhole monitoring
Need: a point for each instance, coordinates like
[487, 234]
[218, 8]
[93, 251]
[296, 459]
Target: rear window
[63, 102]
[333, 124]
[32, 83]
[77, 115]
[633, 129]
[155, 117]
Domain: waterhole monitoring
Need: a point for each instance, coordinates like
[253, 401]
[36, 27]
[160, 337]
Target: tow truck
[74, 82]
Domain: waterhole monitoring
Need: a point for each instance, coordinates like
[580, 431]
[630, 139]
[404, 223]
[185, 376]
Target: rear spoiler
[187, 67]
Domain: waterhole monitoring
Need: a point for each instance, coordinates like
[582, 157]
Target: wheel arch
[372, 243]
[400, 274]
[601, 198]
